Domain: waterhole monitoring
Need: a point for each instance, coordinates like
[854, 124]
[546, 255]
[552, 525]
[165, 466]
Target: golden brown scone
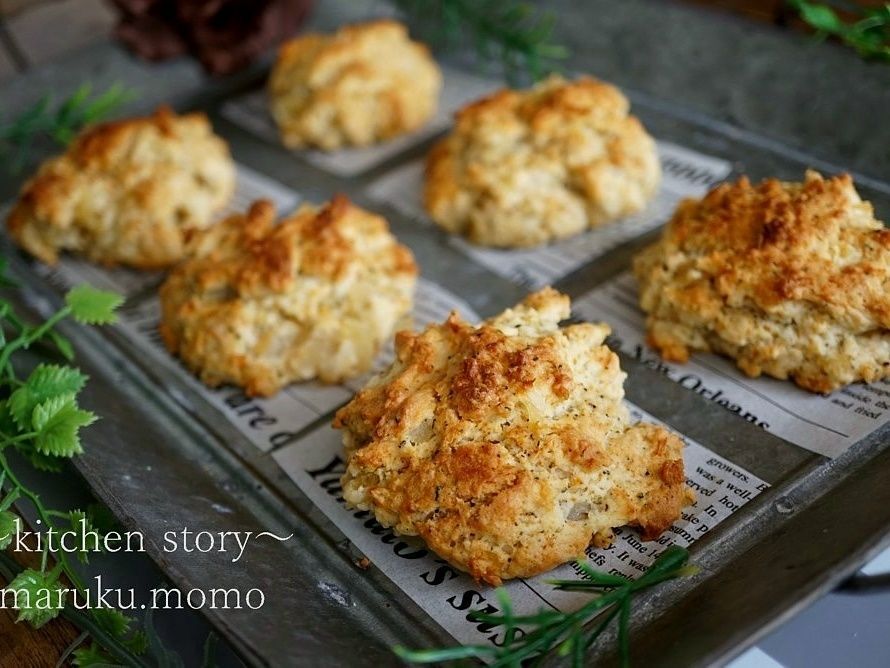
[507, 447]
[126, 192]
[789, 279]
[363, 84]
[261, 305]
[523, 168]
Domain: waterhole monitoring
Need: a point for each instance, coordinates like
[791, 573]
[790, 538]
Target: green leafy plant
[41, 419]
[515, 33]
[58, 122]
[568, 633]
[869, 33]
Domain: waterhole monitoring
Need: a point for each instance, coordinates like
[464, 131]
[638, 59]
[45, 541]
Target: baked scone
[791, 280]
[506, 446]
[361, 85]
[522, 168]
[126, 192]
[260, 305]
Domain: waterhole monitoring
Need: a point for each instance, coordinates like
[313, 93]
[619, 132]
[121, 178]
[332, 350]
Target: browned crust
[55, 212]
[792, 263]
[250, 279]
[443, 446]
[523, 167]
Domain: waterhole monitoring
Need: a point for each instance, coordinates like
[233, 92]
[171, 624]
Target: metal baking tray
[161, 440]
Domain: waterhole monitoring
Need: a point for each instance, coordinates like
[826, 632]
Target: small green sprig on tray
[515, 33]
[58, 122]
[564, 632]
[869, 34]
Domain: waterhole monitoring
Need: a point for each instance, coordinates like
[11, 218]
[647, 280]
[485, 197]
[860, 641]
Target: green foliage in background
[516, 34]
[868, 34]
[59, 123]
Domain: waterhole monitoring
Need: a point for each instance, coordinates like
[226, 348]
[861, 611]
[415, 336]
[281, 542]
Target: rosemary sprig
[564, 632]
[516, 33]
[869, 34]
[58, 122]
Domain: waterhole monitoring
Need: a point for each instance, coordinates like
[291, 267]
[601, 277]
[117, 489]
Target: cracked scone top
[506, 446]
[126, 192]
[521, 168]
[791, 280]
[260, 305]
[360, 85]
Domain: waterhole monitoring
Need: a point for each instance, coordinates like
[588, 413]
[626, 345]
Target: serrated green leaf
[7, 425]
[21, 406]
[8, 528]
[35, 595]
[91, 656]
[45, 382]
[45, 410]
[58, 421]
[112, 620]
[137, 642]
[40, 461]
[86, 534]
[50, 380]
[91, 306]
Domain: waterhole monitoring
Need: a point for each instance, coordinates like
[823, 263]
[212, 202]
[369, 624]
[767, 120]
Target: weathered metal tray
[162, 439]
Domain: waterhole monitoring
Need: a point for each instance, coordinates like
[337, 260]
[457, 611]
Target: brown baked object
[507, 446]
[791, 280]
[358, 86]
[260, 305]
[524, 167]
[126, 192]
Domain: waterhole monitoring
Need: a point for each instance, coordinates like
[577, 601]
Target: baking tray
[162, 457]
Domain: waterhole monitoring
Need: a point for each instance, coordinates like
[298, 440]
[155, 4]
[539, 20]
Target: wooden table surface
[24, 647]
